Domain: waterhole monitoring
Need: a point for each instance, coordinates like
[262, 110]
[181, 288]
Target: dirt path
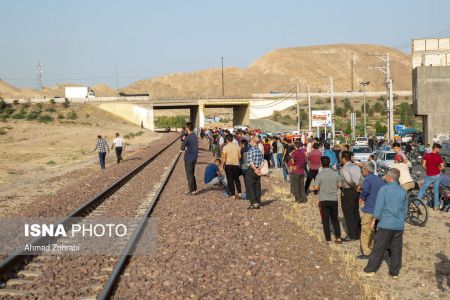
[426, 267]
[210, 246]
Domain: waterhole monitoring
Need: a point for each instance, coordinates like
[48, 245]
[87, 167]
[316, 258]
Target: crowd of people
[374, 208]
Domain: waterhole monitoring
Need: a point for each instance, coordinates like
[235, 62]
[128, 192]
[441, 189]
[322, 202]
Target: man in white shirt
[119, 144]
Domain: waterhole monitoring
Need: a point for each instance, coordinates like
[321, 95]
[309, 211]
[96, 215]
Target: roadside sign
[321, 118]
[399, 127]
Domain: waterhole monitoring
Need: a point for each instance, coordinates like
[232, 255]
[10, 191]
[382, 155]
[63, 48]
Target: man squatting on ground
[190, 148]
[390, 210]
[213, 176]
[102, 146]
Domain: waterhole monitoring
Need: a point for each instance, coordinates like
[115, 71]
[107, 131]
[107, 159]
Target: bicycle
[417, 212]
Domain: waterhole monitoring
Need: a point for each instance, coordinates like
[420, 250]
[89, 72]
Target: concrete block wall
[431, 99]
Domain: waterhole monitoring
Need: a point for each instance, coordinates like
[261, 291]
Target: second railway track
[90, 277]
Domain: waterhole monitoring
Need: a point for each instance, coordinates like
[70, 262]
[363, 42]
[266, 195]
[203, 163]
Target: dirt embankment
[35, 156]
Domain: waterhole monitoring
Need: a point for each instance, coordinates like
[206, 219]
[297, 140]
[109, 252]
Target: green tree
[406, 114]
[348, 128]
[370, 112]
[276, 115]
[378, 107]
[380, 128]
[348, 105]
[358, 113]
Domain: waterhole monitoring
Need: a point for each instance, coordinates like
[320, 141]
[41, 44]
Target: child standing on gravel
[327, 184]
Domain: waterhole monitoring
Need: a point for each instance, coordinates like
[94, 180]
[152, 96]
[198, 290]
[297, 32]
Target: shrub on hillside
[52, 101]
[45, 118]
[16, 102]
[18, 116]
[61, 116]
[72, 115]
[32, 116]
[39, 105]
[50, 109]
[66, 103]
[27, 104]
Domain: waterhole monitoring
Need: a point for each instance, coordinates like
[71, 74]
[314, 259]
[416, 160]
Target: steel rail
[119, 267]
[21, 257]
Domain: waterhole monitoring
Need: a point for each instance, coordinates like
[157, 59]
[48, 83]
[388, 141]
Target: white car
[379, 136]
[385, 160]
[361, 141]
[361, 153]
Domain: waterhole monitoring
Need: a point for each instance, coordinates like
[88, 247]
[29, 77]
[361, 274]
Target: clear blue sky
[84, 39]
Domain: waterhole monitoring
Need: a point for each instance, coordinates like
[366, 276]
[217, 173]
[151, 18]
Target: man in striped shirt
[102, 147]
[255, 161]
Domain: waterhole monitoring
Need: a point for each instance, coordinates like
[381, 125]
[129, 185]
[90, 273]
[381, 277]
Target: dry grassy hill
[280, 69]
[277, 70]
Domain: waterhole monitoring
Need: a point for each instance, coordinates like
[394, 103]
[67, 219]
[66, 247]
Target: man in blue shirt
[330, 153]
[371, 186]
[390, 210]
[190, 148]
[213, 176]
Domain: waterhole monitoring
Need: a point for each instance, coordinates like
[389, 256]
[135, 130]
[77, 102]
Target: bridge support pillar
[241, 115]
[197, 115]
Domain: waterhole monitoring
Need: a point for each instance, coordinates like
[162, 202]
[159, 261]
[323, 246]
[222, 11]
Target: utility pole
[351, 76]
[365, 84]
[298, 109]
[332, 107]
[40, 75]
[117, 78]
[386, 69]
[223, 87]
[309, 109]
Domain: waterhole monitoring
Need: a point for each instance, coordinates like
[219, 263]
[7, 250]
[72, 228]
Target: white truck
[78, 92]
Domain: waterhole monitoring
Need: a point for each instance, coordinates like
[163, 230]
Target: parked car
[445, 152]
[385, 160]
[361, 141]
[361, 153]
[379, 136]
[338, 134]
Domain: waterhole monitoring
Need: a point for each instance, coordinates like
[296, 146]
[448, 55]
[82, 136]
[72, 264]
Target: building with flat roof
[431, 85]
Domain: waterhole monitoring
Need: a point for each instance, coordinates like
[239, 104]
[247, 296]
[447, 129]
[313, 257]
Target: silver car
[361, 153]
[385, 160]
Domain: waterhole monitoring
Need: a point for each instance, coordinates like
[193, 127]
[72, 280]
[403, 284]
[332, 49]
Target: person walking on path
[297, 172]
[433, 165]
[288, 148]
[390, 210]
[274, 147]
[231, 155]
[314, 165]
[351, 179]
[371, 186]
[102, 146]
[190, 148]
[119, 144]
[255, 160]
[327, 183]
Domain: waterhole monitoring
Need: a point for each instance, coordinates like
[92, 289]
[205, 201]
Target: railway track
[18, 272]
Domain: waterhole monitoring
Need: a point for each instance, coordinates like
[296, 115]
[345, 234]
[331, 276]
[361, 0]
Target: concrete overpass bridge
[141, 108]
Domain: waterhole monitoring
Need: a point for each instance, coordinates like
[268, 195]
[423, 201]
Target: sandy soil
[34, 157]
[426, 264]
